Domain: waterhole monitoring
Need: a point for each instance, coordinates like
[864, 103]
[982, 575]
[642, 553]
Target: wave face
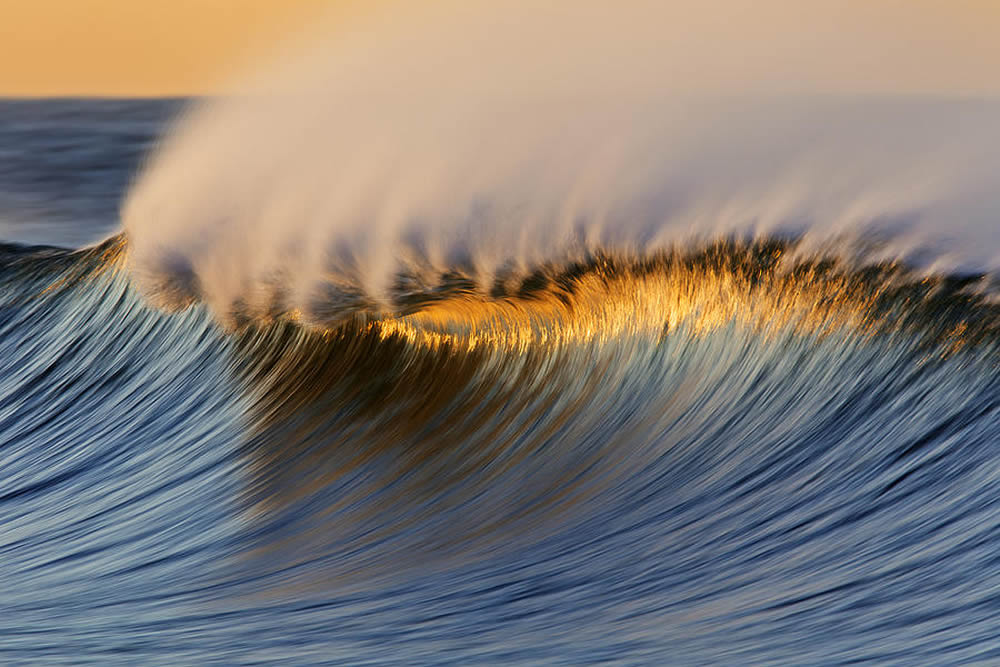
[704, 457]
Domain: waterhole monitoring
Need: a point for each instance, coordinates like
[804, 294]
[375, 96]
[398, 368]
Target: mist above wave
[493, 139]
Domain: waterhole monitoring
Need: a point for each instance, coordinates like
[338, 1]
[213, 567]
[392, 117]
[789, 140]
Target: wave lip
[768, 286]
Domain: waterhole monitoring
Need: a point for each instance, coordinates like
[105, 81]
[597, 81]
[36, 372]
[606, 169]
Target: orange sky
[138, 47]
[183, 47]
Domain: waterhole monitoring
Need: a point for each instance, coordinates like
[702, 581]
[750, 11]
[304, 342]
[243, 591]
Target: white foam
[514, 133]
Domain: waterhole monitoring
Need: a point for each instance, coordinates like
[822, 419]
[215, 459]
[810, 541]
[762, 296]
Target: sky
[139, 47]
[185, 47]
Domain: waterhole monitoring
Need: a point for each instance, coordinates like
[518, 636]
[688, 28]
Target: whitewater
[517, 334]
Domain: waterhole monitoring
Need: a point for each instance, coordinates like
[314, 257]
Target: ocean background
[65, 164]
[717, 452]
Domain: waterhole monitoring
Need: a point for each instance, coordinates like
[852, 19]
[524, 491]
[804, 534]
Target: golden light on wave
[608, 307]
[763, 286]
[461, 367]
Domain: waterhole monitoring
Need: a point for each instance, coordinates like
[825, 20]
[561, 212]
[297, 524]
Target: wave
[520, 354]
[723, 413]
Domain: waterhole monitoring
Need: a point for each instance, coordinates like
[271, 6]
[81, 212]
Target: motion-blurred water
[721, 453]
[65, 164]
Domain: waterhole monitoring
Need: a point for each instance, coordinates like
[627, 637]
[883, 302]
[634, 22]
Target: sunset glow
[184, 47]
[139, 48]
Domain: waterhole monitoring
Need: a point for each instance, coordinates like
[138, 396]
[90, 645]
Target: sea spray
[489, 139]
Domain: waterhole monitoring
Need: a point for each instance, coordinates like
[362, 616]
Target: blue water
[175, 493]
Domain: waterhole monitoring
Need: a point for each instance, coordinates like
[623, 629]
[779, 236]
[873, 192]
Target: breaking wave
[486, 346]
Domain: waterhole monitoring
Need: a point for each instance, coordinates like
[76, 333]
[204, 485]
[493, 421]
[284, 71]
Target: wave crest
[768, 285]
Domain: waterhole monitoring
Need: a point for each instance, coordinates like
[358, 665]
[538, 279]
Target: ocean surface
[722, 451]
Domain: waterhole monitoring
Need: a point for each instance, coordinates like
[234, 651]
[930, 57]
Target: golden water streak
[603, 308]
[730, 283]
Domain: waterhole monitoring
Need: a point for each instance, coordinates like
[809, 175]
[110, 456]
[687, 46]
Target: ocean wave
[485, 346]
[761, 432]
